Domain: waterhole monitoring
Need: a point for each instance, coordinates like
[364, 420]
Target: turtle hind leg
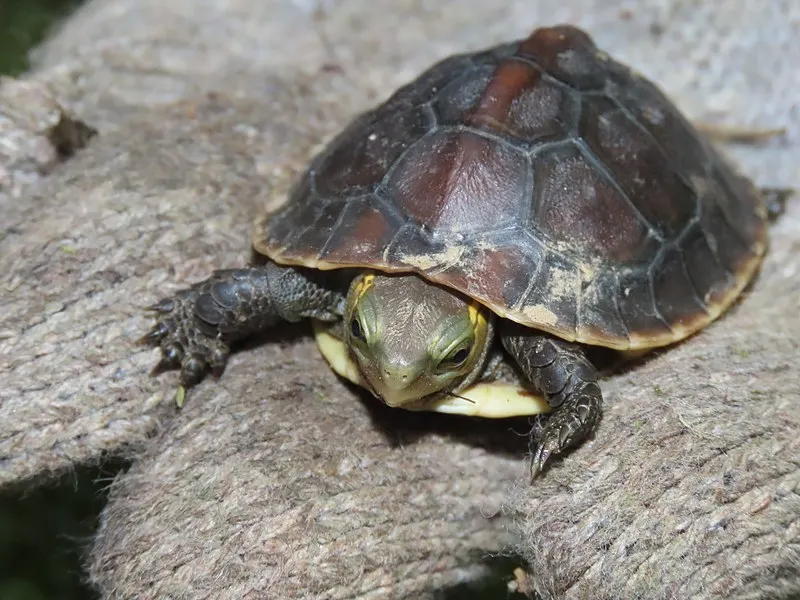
[195, 328]
[561, 372]
[776, 199]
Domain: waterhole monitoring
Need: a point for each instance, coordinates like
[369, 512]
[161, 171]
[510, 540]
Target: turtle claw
[154, 336]
[165, 305]
[170, 359]
[193, 367]
[538, 460]
[566, 428]
[548, 445]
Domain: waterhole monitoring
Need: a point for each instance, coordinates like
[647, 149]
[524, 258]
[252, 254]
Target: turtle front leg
[561, 372]
[195, 327]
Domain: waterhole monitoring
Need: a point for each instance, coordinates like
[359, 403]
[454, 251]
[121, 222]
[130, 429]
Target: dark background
[23, 24]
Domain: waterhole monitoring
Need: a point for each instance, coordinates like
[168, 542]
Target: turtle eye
[455, 359]
[356, 331]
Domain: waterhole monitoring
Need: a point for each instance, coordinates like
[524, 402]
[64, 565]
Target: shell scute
[646, 106]
[567, 54]
[513, 100]
[456, 183]
[651, 186]
[580, 209]
[358, 159]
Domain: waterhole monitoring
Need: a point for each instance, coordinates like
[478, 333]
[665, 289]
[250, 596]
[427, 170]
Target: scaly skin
[195, 328]
[560, 371]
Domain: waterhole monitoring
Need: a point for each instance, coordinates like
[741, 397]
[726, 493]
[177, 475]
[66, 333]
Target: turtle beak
[399, 384]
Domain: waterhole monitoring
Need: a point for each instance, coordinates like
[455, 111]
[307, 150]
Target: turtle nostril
[395, 375]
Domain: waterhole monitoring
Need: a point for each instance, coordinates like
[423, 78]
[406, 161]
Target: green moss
[23, 24]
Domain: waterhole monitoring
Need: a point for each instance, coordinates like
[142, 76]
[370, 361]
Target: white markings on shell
[439, 260]
[538, 313]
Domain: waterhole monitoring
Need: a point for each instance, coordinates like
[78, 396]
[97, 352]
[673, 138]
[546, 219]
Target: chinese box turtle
[527, 201]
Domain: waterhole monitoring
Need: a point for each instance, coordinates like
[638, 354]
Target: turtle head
[412, 339]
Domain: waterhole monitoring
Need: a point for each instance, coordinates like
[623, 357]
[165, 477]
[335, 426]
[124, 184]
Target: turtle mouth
[411, 402]
[399, 397]
[417, 395]
[431, 401]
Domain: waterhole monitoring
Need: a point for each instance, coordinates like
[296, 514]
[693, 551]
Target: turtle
[518, 205]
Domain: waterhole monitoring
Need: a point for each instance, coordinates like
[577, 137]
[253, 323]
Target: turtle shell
[545, 180]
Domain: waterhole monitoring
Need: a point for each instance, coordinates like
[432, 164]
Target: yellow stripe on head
[363, 284]
[480, 324]
[477, 316]
[358, 288]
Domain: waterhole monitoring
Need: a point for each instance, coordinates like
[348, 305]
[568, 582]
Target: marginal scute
[495, 271]
[677, 300]
[364, 229]
[543, 179]
[598, 315]
[637, 305]
[539, 313]
[707, 275]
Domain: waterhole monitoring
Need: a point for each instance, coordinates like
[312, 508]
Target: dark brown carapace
[545, 180]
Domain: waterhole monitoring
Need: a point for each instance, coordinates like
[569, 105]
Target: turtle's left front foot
[561, 372]
[571, 423]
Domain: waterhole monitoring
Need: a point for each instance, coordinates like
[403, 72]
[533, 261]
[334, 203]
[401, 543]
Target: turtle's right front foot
[195, 327]
[185, 340]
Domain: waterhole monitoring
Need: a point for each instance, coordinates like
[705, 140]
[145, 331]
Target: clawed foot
[183, 341]
[568, 426]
